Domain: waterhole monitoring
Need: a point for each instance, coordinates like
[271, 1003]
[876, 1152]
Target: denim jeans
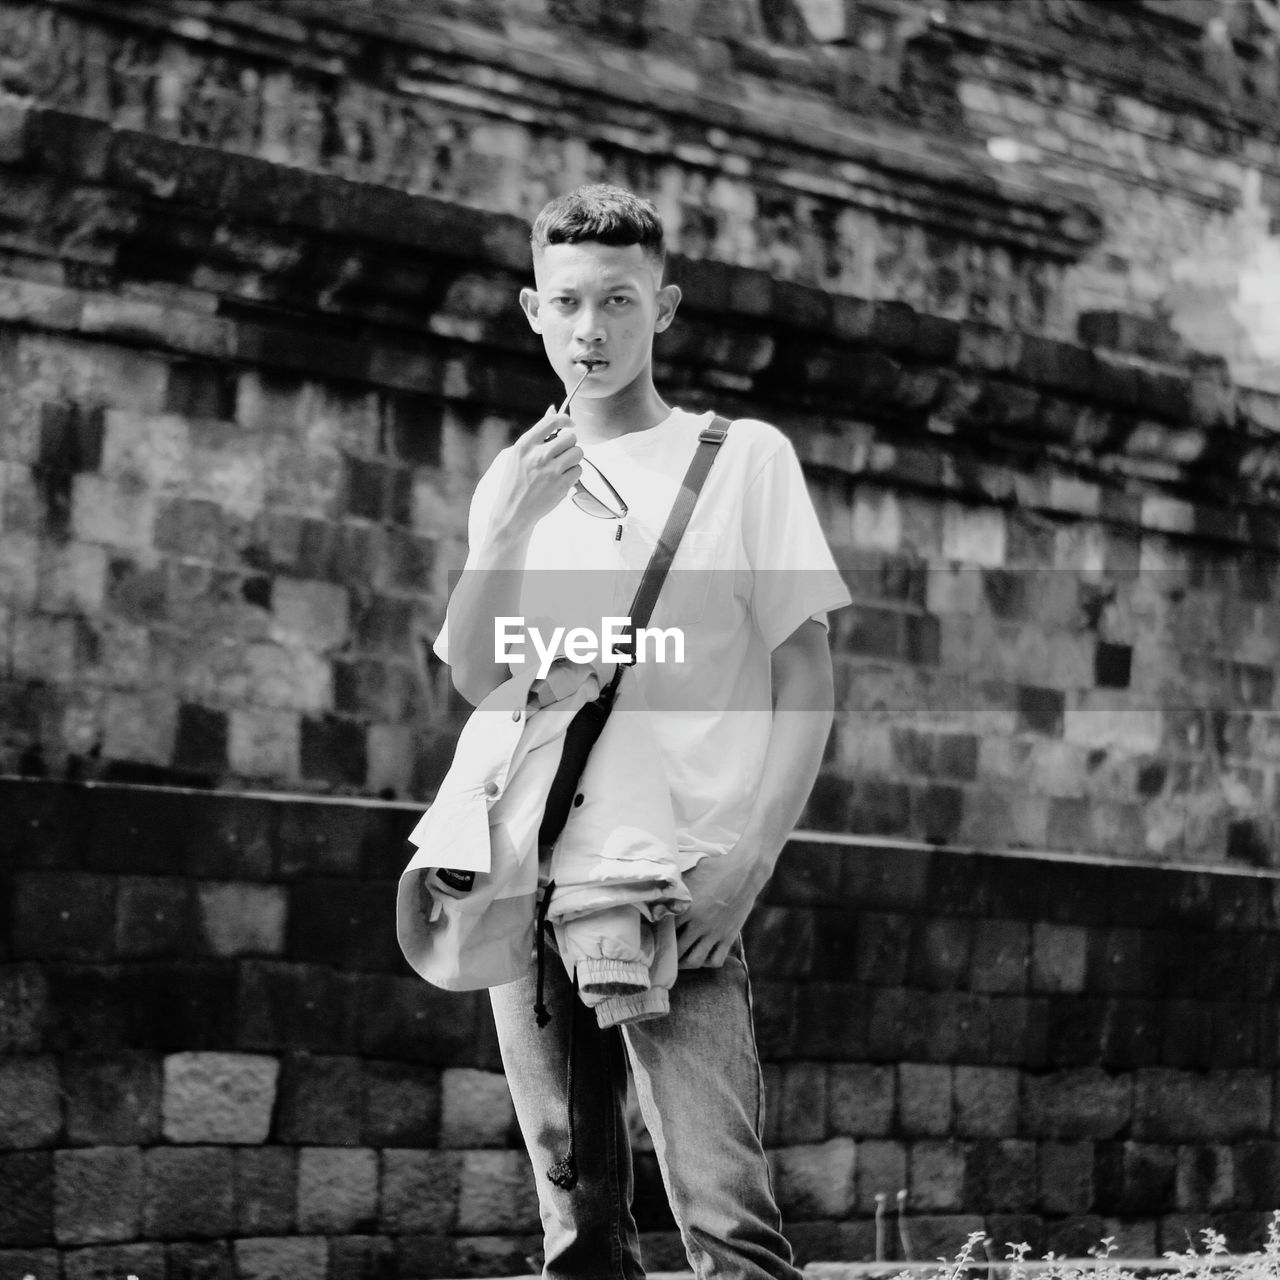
[698, 1082]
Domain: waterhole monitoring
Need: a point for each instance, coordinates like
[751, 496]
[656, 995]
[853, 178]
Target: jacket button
[491, 788]
[577, 800]
[516, 714]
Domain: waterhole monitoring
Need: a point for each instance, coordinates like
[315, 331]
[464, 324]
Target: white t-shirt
[752, 566]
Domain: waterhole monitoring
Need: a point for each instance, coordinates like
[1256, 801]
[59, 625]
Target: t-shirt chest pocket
[685, 593]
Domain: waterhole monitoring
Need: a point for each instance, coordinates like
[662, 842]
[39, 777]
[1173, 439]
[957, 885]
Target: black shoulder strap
[709, 441]
[585, 727]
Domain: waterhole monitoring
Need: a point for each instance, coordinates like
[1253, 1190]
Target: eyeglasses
[587, 496]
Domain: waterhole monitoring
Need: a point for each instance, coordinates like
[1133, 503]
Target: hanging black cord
[540, 945]
[564, 1173]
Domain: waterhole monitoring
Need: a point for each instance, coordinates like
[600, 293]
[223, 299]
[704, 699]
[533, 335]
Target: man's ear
[668, 300]
[529, 305]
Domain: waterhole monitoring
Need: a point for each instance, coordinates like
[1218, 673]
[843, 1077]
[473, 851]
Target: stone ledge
[960, 183]
[301, 255]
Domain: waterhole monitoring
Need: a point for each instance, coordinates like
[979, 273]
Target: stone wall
[212, 1054]
[244, 408]
[1017, 163]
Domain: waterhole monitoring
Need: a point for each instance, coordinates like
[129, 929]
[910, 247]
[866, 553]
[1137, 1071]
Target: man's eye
[620, 300]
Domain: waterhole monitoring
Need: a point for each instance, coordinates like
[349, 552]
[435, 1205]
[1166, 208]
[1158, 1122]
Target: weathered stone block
[393, 759]
[140, 726]
[286, 1258]
[881, 1171]
[940, 954]
[30, 1102]
[427, 1255]
[942, 1235]
[1040, 710]
[112, 1100]
[23, 1008]
[973, 536]
[314, 614]
[218, 1097]
[420, 1191]
[154, 916]
[883, 948]
[1125, 961]
[402, 1105]
[99, 1194]
[1066, 1176]
[1058, 957]
[111, 513]
[289, 678]
[195, 527]
[780, 941]
[87, 1009]
[800, 1103]
[1215, 1106]
[199, 1260]
[476, 1110]
[999, 960]
[1205, 1178]
[200, 740]
[924, 1099]
[21, 1263]
[898, 1025]
[188, 1193]
[1134, 1178]
[1075, 1035]
[319, 1100]
[293, 1006]
[176, 1005]
[333, 750]
[860, 1099]
[816, 1181]
[337, 1189]
[263, 743]
[72, 579]
[265, 1185]
[1255, 1174]
[350, 925]
[26, 1198]
[496, 1193]
[986, 1101]
[62, 915]
[1134, 1033]
[1082, 1103]
[20, 578]
[1000, 1175]
[109, 1262]
[406, 1019]
[237, 918]
[355, 1257]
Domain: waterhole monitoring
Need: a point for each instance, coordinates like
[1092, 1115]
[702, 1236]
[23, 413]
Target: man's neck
[634, 408]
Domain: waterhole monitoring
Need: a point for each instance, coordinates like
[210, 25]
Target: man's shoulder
[758, 448]
[754, 435]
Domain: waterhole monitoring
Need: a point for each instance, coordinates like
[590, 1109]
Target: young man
[741, 724]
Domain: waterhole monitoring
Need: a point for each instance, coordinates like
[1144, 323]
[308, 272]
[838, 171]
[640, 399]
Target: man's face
[598, 306]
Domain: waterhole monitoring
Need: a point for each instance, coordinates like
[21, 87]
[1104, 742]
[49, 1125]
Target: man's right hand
[545, 464]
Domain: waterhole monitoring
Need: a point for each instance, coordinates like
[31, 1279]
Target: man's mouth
[590, 362]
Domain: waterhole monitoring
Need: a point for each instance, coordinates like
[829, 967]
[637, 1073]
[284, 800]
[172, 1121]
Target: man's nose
[589, 327]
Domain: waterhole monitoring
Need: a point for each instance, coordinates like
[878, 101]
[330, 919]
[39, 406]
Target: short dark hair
[603, 213]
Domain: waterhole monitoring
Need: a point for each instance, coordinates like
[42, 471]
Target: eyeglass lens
[594, 495]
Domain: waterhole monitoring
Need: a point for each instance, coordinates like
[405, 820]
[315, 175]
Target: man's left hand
[723, 896]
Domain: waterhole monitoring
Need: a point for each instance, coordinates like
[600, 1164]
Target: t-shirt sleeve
[478, 514]
[794, 576]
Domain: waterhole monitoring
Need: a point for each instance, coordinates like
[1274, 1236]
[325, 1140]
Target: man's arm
[539, 474]
[725, 888]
